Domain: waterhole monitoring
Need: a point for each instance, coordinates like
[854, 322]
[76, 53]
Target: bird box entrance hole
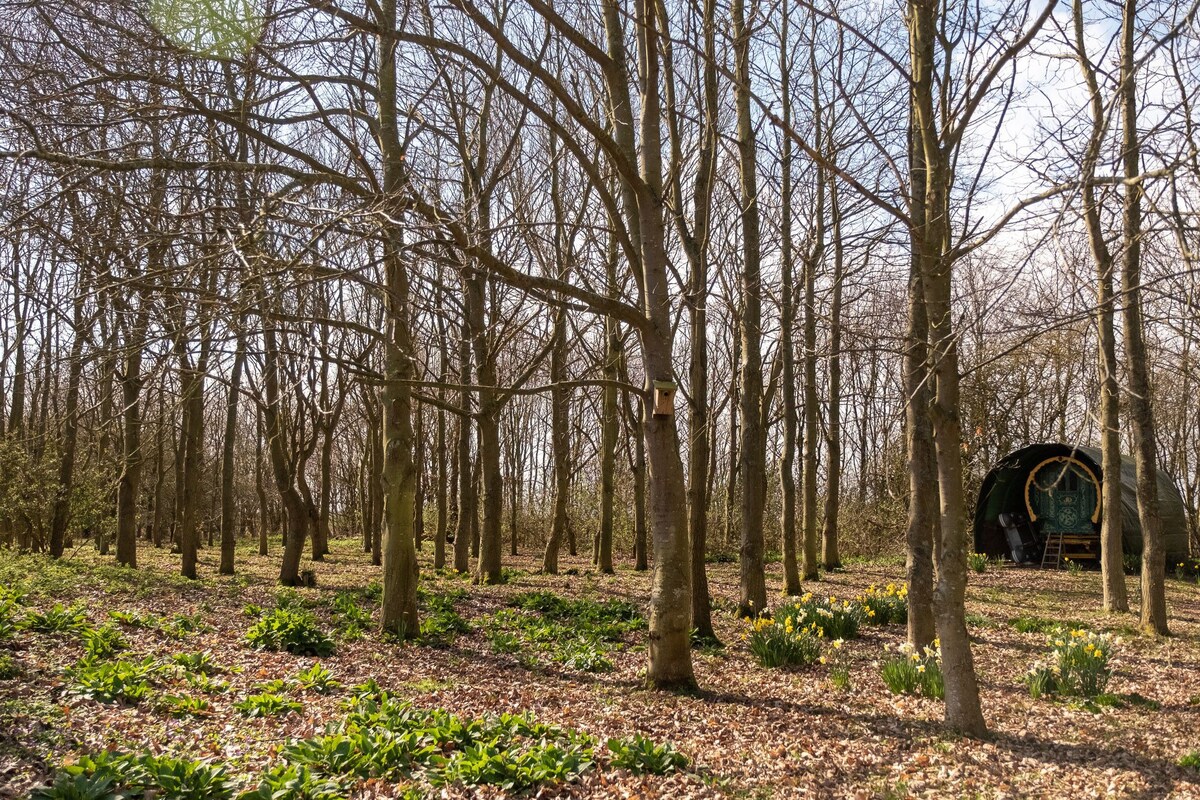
[664, 398]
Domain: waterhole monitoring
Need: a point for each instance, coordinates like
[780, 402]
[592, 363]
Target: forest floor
[750, 732]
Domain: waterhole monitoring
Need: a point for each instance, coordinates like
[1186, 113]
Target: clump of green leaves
[112, 681]
[641, 755]
[186, 706]
[913, 671]
[110, 775]
[978, 562]
[58, 619]
[12, 603]
[180, 625]
[295, 782]
[781, 641]
[884, 605]
[267, 705]
[290, 629]
[9, 667]
[1190, 760]
[834, 618]
[103, 642]
[201, 663]
[352, 619]
[1077, 665]
[136, 619]
[388, 739]
[317, 678]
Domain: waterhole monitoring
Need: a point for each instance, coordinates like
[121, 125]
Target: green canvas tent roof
[1003, 490]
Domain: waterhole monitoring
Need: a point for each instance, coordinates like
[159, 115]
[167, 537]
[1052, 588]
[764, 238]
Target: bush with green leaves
[112, 681]
[111, 774]
[201, 663]
[103, 642]
[137, 619]
[782, 641]
[385, 738]
[917, 672]
[267, 704]
[12, 604]
[316, 678]
[290, 629]
[835, 618]
[640, 755]
[352, 619]
[58, 619]
[1077, 665]
[185, 705]
[295, 782]
[609, 619]
[9, 667]
[884, 605]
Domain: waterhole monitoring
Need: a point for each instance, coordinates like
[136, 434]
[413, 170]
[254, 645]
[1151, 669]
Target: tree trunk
[752, 453]
[228, 536]
[1112, 562]
[1141, 409]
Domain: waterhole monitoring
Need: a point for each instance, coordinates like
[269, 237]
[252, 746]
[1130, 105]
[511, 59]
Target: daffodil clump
[784, 641]
[912, 671]
[1077, 665]
[885, 605]
[836, 618]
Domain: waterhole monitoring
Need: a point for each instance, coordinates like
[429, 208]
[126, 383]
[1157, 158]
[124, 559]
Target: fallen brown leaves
[751, 732]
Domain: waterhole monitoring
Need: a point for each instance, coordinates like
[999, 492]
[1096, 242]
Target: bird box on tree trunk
[664, 398]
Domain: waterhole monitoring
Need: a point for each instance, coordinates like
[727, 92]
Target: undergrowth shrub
[885, 606]
[57, 619]
[185, 706]
[915, 672]
[1077, 665]
[290, 629]
[978, 562]
[112, 775]
[201, 663]
[317, 678]
[782, 641]
[112, 681]
[641, 755]
[12, 603]
[836, 619]
[266, 705]
[103, 642]
[295, 782]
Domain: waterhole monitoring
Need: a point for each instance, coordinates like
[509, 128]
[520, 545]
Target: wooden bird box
[664, 398]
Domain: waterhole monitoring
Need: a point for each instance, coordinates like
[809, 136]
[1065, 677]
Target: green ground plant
[1077, 665]
[916, 672]
[291, 629]
[783, 641]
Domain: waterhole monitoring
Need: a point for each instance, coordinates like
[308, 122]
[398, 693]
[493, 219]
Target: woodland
[591, 398]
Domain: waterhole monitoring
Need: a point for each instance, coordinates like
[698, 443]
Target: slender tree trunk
[787, 319]
[1141, 409]
[228, 535]
[1112, 562]
[963, 711]
[61, 511]
[752, 453]
[811, 403]
[830, 556]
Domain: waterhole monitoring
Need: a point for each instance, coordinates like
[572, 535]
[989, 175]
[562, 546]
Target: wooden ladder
[1054, 550]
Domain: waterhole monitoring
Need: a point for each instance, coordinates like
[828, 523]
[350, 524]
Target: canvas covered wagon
[1042, 503]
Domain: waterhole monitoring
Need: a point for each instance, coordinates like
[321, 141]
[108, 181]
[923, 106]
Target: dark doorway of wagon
[1050, 493]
